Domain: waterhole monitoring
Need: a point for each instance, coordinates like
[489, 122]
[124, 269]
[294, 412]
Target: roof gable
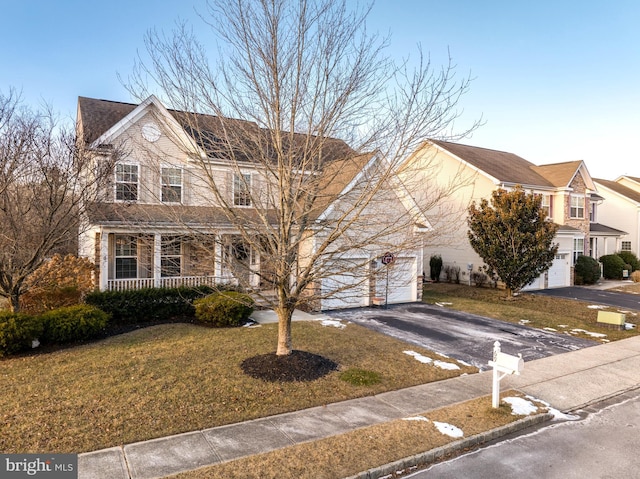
[621, 190]
[561, 175]
[502, 166]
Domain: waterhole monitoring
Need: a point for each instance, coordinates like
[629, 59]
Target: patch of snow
[629, 325]
[442, 304]
[520, 406]
[550, 329]
[333, 322]
[524, 321]
[464, 363]
[442, 355]
[563, 325]
[419, 357]
[597, 306]
[445, 365]
[448, 429]
[557, 415]
[589, 333]
[415, 418]
[252, 325]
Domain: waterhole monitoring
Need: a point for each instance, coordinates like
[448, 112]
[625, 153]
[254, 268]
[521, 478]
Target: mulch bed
[297, 366]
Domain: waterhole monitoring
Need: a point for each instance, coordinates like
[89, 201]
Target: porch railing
[168, 282]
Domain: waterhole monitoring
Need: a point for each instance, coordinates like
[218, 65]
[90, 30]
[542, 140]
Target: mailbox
[507, 363]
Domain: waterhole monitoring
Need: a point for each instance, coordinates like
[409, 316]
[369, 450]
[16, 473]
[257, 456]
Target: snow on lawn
[597, 306]
[589, 333]
[333, 322]
[448, 429]
[443, 427]
[556, 414]
[520, 406]
[437, 363]
[442, 304]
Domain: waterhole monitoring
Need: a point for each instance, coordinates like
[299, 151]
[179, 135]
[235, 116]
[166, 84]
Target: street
[603, 443]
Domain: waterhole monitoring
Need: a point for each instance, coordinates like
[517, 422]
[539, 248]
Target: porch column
[104, 261]
[217, 258]
[157, 262]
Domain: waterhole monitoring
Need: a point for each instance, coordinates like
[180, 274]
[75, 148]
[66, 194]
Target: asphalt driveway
[595, 296]
[460, 335]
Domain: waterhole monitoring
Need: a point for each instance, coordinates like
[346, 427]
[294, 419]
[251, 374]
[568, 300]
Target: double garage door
[347, 289]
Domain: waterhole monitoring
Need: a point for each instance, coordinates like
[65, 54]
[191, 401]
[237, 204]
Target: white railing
[168, 282]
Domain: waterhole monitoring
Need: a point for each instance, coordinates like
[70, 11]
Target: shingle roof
[605, 230]
[620, 189]
[559, 174]
[505, 167]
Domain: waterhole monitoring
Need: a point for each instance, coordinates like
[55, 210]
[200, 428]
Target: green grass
[537, 311]
[169, 379]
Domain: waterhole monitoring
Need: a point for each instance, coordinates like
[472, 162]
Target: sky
[553, 80]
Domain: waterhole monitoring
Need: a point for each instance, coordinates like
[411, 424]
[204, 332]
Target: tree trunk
[14, 302]
[284, 331]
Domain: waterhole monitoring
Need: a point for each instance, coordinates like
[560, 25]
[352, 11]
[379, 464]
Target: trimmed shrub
[479, 278]
[73, 323]
[631, 259]
[435, 267]
[18, 331]
[635, 276]
[149, 304]
[224, 309]
[587, 270]
[612, 266]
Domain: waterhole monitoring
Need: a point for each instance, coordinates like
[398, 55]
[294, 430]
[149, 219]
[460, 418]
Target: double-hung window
[170, 256]
[126, 182]
[171, 184]
[126, 247]
[242, 189]
[578, 248]
[577, 207]
[545, 205]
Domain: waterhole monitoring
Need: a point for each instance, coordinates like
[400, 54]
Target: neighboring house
[621, 207]
[156, 224]
[568, 194]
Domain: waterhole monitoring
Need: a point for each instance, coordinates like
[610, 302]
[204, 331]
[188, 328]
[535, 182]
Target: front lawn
[564, 316]
[174, 378]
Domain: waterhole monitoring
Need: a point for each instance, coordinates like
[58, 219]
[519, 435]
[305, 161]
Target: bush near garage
[631, 259]
[18, 331]
[224, 309]
[73, 323]
[612, 266]
[587, 270]
[435, 267]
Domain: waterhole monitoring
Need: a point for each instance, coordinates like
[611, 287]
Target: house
[569, 195]
[621, 207]
[158, 220]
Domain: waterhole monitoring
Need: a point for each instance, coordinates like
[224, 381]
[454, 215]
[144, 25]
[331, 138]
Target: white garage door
[403, 281]
[347, 289]
[560, 271]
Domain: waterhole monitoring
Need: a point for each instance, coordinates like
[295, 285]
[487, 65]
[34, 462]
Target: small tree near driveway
[513, 236]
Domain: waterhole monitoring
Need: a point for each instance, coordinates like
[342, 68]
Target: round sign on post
[388, 258]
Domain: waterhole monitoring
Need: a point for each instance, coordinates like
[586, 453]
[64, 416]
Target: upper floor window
[625, 245]
[577, 207]
[545, 205]
[171, 185]
[126, 182]
[242, 189]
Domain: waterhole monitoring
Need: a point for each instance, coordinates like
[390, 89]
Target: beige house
[158, 224]
[568, 193]
[621, 208]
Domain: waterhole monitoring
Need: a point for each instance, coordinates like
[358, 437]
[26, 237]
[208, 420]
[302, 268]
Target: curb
[405, 465]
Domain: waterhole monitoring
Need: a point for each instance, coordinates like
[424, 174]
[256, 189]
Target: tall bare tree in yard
[301, 74]
[40, 193]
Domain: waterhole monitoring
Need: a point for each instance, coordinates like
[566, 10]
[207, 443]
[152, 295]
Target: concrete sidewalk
[567, 382]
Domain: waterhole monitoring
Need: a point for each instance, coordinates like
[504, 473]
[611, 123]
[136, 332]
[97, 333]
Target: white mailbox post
[505, 364]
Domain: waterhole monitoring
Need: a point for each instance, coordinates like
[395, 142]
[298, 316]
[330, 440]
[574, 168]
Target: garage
[348, 287]
[558, 275]
[402, 280]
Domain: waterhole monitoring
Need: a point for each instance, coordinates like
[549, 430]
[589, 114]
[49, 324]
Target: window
[126, 182]
[170, 256]
[577, 207]
[126, 256]
[545, 205]
[242, 189]
[625, 245]
[171, 185]
[578, 248]
[592, 212]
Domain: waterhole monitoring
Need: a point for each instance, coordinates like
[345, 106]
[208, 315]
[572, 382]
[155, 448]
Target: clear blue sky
[554, 80]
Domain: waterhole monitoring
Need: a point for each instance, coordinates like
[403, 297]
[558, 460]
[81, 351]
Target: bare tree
[41, 194]
[301, 74]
